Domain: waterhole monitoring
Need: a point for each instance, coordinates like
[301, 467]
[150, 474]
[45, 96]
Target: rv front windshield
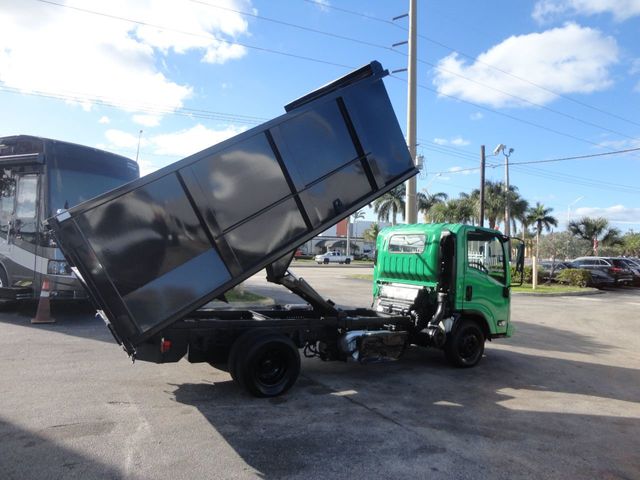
[77, 174]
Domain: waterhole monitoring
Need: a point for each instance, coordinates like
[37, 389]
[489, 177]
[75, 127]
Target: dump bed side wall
[160, 247]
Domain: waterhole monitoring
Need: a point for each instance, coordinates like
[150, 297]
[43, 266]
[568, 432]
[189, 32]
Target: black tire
[269, 364]
[347, 261]
[465, 346]
[236, 348]
[326, 261]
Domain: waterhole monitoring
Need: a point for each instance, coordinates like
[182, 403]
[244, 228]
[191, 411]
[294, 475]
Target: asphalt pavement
[561, 399]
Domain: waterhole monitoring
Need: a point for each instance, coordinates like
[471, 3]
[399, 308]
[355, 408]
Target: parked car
[621, 273]
[333, 257]
[634, 265]
[599, 278]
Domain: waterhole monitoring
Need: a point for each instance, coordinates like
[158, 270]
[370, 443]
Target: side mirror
[517, 247]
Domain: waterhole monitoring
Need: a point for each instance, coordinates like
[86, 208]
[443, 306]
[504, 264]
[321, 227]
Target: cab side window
[485, 253]
[7, 196]
[26, 198]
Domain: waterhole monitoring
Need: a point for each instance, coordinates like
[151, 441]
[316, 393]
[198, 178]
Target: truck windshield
[76, 174]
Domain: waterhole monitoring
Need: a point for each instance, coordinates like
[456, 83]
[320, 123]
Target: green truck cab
[454, 281]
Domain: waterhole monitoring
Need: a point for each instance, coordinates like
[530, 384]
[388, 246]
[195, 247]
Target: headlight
[58, 267]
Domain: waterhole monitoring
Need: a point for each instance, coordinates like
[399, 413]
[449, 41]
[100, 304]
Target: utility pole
[482, 165]
[412, 211]
[507, 199]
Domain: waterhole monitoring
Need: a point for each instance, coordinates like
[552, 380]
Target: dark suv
[634, 266]
[615, 267]
[599, 278]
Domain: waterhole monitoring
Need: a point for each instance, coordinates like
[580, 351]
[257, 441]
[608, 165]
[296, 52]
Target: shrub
[575, 277]
[528, 274]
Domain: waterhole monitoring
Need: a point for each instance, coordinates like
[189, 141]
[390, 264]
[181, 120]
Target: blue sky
[549, 78]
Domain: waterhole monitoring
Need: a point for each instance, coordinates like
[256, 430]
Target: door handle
[468, 295]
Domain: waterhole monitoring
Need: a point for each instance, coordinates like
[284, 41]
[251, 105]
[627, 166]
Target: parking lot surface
[561, 399]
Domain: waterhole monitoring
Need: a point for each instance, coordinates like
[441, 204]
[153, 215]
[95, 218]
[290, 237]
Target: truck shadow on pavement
[516, 415]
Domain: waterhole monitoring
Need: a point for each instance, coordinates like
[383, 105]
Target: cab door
[485, 279]
[7, 205]
[23, 235]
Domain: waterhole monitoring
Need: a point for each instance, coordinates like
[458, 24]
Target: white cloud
[463, 171]
[546, 10]
[86, 56]
[580, 66]
[615, 213]
[120, 139]
[457, 141]
[180, 144]
[104, 120]
[323, 5]
[192, 140]
[147, 120]
[476, 116]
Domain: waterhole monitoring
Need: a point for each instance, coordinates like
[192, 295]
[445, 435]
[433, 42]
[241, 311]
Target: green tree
[371, 233]
[427, 201]
[495, 201]
[631, 244]
[455, 210]
[519, 213]
[389, 205]
[541, 218]
[597, 231]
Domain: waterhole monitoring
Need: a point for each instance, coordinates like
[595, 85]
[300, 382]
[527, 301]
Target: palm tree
[540, 217]
[519, 212]
[427, 201]
[456, 210]
[390, 204]
[596, 230]
[495, 201]
[371, 233]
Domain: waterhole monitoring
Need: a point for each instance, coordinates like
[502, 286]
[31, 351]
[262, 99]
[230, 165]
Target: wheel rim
[469, 346]
[271, 368]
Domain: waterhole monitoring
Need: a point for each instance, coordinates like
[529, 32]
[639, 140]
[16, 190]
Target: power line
[581, 181]
[209, 36]
[561, 159]
[578, 157]
[512, 117]
[292, 25]
[535, 104]
[49, 2]
[436, 67]
[477, 59]
[153, 110]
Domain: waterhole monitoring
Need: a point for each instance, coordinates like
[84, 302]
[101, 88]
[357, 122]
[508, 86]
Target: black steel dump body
[158, 248]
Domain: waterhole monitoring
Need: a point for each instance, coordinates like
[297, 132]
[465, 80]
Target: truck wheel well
[480, 320]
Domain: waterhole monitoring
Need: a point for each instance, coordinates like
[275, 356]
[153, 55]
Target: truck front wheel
[268, 366]
[465, 345]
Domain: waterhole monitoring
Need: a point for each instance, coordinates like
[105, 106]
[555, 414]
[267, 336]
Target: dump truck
[154, 252]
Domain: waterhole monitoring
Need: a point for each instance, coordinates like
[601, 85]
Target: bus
[39, 178]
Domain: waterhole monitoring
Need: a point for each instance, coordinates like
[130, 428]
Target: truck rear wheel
[347, 261]
[465, 345]
[266, 364]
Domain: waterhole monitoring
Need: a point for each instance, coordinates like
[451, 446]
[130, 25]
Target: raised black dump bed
[153, 251]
